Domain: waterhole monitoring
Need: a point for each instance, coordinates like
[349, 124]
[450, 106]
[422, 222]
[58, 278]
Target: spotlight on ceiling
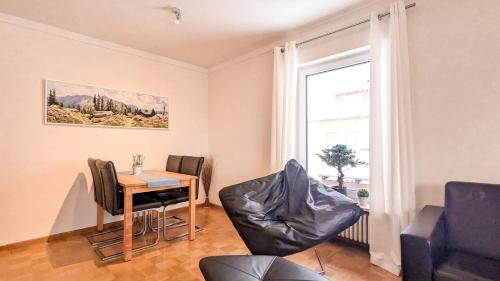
[177, 13]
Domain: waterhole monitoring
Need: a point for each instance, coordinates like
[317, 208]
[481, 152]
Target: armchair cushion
[422, 244]
[458, 266]
[472, 220]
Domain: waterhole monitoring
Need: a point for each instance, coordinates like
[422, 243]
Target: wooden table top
[131, 181]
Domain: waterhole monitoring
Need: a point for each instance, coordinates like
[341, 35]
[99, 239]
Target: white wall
[239, 124]
[45, 179]
[454, 56]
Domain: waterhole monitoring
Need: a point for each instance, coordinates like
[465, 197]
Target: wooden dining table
[132, 185]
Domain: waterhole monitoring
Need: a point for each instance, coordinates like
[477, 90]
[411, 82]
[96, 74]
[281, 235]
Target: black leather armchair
[279, 215]
[287, 212]
[460, 241]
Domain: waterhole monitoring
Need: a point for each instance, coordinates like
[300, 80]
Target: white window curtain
[392, 191]
[285, 126]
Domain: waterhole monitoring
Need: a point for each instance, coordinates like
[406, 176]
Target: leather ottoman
[251, 268]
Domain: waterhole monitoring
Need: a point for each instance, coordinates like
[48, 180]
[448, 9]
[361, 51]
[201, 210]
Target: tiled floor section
[73, 259]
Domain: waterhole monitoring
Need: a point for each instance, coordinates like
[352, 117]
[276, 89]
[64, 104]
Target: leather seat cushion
[175, 200]
[175, 196]
[457, 266]
[250, 268]
[141, 202]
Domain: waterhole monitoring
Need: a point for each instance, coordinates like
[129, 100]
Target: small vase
[137, 170]
[363, 201]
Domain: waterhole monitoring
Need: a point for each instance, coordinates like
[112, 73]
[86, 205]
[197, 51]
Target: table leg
[100, 218]
[127, 224]
[192, 209]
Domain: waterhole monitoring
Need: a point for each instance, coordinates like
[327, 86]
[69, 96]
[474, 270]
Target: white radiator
[357, 233]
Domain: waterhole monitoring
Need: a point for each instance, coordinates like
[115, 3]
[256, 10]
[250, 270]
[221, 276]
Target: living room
[141, 138]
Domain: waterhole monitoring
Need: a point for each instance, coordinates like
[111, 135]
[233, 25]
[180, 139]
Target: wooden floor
[72, 258]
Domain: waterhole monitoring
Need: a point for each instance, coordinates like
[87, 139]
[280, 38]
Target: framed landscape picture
[74, 104]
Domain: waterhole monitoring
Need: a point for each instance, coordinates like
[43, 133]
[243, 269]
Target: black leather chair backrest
[112, 198]
[192, 166]
[97, 182]
[472, 218]
[174, 163]
[287, 212]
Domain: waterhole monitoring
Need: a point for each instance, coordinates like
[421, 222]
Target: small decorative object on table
[363, 197]
[137, 163]
[206, 177]
[338, 157]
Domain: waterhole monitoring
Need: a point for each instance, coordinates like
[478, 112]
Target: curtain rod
[380, 16]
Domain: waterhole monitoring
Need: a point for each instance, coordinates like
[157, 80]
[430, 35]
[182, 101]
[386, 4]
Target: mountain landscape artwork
[68, 103]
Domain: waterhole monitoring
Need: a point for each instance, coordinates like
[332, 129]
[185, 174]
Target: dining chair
[173, 163]
[113, 203]
[99, 199]
[189, 165]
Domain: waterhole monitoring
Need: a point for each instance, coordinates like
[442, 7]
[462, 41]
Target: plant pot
[340, 190]
[363, 201]
[137, 170]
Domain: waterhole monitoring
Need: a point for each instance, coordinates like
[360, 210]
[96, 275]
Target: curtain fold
[392, 190]
[284, 132]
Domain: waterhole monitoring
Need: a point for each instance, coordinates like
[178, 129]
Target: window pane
[338, 113]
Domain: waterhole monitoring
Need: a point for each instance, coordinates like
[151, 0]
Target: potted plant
[137, 163]
[363, 195]
[338, 157]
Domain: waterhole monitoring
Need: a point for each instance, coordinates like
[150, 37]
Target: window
[337, 98]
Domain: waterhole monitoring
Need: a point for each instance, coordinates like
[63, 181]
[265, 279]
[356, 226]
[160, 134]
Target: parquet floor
[73, 259]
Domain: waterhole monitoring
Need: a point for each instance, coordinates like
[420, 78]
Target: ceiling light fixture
[177, 12]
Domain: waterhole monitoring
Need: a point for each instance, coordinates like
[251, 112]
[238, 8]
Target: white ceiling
[211, 32]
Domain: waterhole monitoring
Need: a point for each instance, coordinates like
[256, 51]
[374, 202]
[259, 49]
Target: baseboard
[81, 231]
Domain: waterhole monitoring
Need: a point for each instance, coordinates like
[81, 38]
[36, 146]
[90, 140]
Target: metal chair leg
[172, 226]
[164, 218]
[135, 250]
[179, 222]
[94, 243]
[318, 257]
[139, 234]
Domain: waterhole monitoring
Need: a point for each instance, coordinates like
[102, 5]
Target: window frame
[331, 63]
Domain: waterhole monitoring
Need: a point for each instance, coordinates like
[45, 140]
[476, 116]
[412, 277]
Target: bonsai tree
[338, 157]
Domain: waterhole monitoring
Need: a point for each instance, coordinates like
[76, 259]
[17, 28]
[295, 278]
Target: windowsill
[348, 185]
[352, 191]
[365, 208]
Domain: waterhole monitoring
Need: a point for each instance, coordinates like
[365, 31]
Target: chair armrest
[422, 244]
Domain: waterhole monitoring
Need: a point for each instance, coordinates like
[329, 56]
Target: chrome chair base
[179, 222]
[318, 257]
[147, 220]
[94, 243]
[176, 218]
[184, 223]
